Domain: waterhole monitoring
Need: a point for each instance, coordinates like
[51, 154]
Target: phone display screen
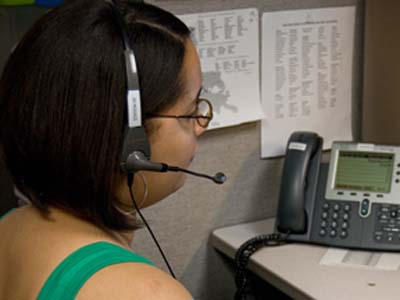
[364, 171]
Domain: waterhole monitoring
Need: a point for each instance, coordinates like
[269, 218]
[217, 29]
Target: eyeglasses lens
[204, 109]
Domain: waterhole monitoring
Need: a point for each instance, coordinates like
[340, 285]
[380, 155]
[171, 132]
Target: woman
[63, 116]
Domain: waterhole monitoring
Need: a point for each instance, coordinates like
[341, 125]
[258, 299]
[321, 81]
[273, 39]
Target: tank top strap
[72, 273]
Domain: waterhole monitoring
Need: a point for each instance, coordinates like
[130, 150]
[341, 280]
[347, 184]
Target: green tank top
[68, 278]
[72, 273]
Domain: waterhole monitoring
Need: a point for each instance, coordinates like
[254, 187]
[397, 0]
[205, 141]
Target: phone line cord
[242, 257]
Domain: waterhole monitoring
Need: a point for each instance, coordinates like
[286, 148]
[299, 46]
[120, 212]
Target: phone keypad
[387, 229]
[335, 218]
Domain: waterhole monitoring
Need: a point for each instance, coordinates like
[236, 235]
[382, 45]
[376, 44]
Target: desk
[295, 269]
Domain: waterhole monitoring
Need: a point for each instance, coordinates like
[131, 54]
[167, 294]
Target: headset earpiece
[135, 140]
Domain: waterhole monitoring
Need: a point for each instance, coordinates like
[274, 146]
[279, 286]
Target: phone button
[390, 238]
[384, 208]
[378, 236]
[324, 224]
[365, 207]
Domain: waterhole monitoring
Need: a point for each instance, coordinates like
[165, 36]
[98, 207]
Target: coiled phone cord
[246, 250]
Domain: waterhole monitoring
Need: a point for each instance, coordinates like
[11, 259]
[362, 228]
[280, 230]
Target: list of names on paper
[306, 75]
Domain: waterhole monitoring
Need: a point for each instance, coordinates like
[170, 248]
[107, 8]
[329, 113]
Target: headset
[135, 155]
[136, 151]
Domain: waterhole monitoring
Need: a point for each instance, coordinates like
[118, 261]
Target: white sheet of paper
[361, 259]
[306, 75]
[227, 43]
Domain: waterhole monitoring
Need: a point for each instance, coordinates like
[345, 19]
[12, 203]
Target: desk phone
[353, 201]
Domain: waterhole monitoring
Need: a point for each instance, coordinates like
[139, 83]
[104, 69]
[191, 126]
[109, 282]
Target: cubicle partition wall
[381, 109]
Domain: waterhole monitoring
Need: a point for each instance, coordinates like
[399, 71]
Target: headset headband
[132, 78]
[135, 138]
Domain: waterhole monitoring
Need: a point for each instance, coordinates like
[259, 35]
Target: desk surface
[295, 268]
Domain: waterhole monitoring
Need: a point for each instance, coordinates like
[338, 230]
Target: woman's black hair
[62, 102]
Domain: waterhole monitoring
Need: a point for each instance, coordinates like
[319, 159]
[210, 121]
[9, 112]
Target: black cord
[130, 184]
[242, 257]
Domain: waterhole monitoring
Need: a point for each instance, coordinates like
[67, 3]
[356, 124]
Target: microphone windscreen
[220, 178]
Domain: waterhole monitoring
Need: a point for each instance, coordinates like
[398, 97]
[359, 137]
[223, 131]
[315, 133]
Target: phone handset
[301, 147]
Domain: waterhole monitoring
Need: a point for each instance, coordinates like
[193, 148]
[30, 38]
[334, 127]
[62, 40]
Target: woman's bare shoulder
[128, 281]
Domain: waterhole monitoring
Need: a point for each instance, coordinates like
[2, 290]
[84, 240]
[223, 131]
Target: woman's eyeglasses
[203, 114]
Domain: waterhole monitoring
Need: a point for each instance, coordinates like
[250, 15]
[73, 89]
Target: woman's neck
[84, 227]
